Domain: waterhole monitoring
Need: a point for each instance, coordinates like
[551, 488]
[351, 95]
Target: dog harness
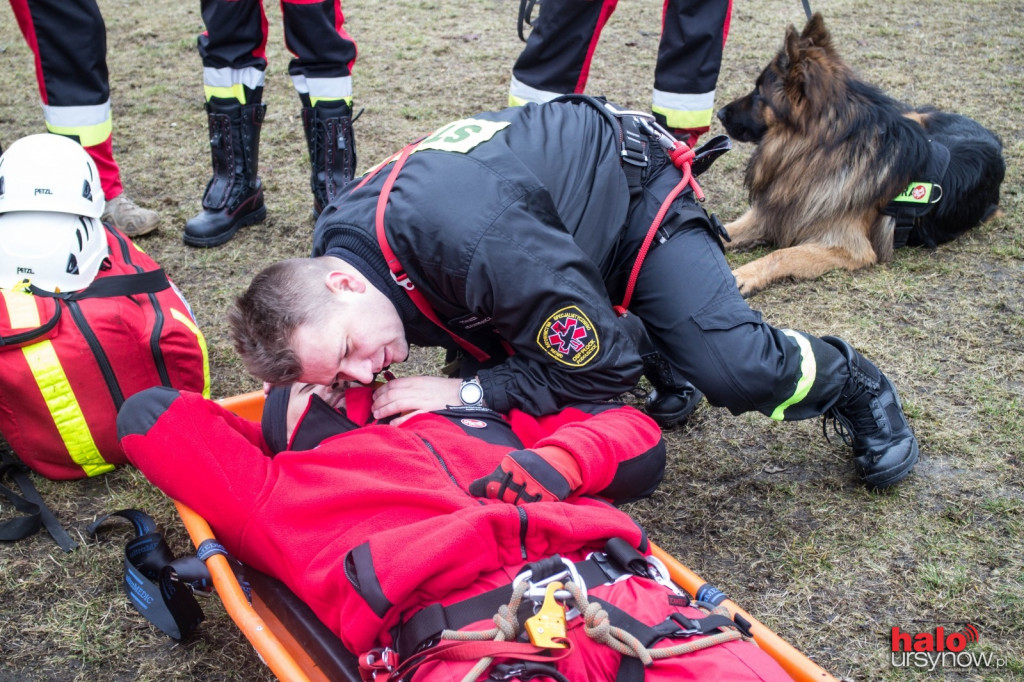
[917, 200]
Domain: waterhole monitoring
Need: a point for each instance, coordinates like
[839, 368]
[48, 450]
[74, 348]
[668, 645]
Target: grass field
[770, 512]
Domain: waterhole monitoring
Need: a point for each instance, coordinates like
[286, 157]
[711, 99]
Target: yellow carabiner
[549, 622]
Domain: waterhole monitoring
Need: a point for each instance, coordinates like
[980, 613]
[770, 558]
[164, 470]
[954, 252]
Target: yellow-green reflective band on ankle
[684, 120]
[235, 92]
[313, 101]
[808, 369]
[87, 136]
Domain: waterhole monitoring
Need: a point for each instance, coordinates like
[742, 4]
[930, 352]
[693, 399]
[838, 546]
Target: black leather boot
[332, 150]
[870, 417]
[672, 406]
[234, 195]
[672, 399]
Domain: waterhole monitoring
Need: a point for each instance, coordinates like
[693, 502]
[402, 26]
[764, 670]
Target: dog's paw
[749, 280]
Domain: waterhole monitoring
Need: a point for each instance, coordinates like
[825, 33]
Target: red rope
[682, 158]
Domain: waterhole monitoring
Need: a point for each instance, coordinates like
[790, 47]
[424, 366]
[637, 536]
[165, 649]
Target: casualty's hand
[546, 474]
[407, 395]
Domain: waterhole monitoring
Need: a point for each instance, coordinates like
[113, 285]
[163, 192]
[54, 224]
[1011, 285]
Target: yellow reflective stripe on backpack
[64, 408]
[56, 389]
[21, 309]
[188, 322]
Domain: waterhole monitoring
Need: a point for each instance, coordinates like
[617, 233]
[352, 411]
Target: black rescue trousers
[687, 297]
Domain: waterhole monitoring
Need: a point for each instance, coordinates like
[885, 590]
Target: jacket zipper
[440, 460]
[522, 531]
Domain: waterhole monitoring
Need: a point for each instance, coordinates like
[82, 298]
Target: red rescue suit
[376, 523]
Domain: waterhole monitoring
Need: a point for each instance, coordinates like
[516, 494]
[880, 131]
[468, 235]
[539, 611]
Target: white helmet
[50, 205]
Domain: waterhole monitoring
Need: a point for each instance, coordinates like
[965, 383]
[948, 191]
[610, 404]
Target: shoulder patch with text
[462, 135]
[569, 337]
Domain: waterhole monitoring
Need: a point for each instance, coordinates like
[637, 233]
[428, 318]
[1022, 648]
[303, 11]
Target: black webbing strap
[32, 334]
[676, 625]
[426, 625]
[30, 502]
[150, 282]
[526, 670]
[155, 580]
[634, 144]
[634, 154]
[525, 17]
[807, 9]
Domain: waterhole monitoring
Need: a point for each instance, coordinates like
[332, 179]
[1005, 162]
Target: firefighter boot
[234, 195]
[671, 406]
[870, 417]
[332, 150]
[671, 400]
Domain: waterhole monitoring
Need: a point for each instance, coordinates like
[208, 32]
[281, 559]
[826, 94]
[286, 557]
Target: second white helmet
[51, 202]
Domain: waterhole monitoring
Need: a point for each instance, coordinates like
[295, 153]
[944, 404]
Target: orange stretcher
[297, 647]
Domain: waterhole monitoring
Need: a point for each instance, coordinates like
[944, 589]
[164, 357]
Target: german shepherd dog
[833, 152]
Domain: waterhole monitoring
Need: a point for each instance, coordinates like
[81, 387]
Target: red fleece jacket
[377, 522]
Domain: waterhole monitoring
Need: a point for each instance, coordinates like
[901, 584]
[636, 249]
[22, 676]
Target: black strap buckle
[687, 626]
[634, 143]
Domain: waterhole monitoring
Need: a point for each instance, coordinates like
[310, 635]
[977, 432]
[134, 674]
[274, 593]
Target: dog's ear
[816, 34]
[791, 49]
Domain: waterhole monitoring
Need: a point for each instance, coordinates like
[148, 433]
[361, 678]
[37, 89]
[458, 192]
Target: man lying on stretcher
[378, 526]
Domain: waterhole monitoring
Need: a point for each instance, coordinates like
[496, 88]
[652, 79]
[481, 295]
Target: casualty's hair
[279, 299]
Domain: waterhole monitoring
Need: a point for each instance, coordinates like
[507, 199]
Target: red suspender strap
[398, 273]
[682, 158]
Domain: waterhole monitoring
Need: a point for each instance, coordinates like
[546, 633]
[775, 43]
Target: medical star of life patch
[569, 337]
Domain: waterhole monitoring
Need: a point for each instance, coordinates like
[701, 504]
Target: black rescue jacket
[509, 223]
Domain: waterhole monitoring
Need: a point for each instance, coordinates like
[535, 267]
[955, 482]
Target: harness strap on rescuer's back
[398, 272]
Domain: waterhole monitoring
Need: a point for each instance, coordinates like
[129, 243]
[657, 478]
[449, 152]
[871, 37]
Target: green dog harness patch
[914, 202]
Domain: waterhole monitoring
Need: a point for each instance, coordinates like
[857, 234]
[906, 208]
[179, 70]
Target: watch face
[470, 393]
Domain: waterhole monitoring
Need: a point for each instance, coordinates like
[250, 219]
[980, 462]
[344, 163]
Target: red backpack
[68, 361]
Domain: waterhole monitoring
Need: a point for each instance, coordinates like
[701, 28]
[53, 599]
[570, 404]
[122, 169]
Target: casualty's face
[298, 401]
[356, 337]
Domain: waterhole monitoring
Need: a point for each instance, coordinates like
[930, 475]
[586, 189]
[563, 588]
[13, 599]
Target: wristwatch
[471, 393]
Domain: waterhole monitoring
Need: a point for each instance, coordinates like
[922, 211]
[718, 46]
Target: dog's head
[793, 90]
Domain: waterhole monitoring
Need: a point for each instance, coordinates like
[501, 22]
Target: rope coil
[596, 625]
